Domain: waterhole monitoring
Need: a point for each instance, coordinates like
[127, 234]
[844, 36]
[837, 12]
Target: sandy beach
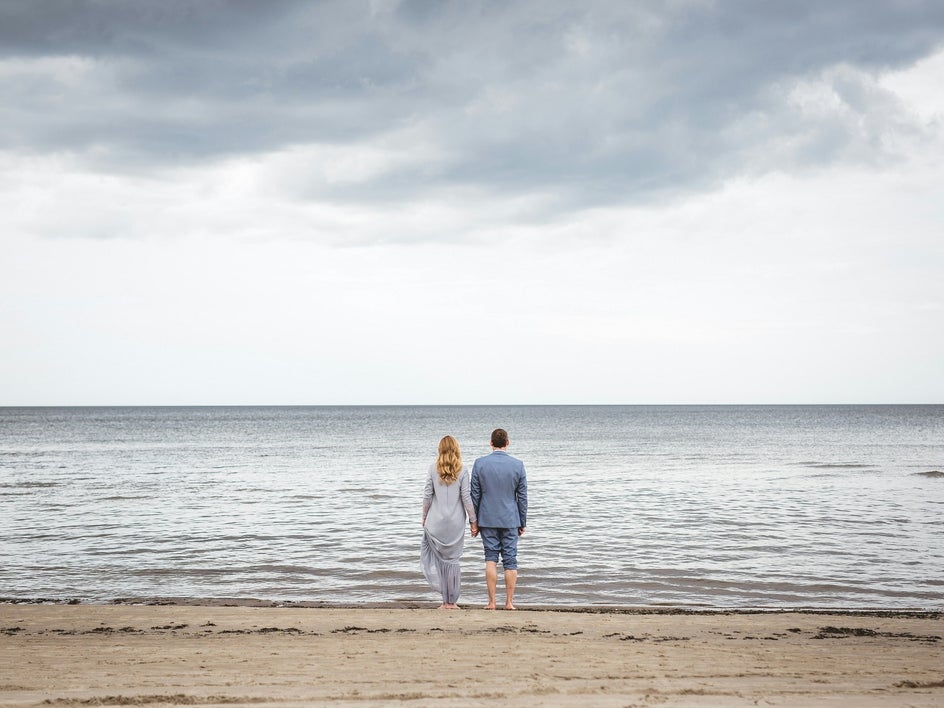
[212, 654]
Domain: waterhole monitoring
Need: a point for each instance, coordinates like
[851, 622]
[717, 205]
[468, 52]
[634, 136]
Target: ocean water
[718, 506]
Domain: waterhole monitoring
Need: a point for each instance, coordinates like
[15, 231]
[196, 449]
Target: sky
[211, 202]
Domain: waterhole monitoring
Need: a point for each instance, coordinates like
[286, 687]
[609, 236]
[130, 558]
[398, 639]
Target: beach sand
[212, 654]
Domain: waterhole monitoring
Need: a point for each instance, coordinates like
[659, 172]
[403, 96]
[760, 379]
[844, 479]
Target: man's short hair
[499, 438]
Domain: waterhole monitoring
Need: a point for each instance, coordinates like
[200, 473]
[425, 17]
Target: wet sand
[212, 654]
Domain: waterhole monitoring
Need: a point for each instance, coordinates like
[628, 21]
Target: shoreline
[223, 654]
[172, 601]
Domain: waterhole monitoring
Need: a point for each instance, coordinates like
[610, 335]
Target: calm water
[826, 506]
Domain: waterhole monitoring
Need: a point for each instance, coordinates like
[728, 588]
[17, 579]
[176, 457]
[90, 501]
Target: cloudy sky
[686, 201]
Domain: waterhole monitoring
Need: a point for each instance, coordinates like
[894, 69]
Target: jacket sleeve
[476, 490]
[521, 494]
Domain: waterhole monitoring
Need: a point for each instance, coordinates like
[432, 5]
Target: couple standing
[494, 497]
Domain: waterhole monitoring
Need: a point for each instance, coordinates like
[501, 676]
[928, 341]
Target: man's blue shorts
[504, 541]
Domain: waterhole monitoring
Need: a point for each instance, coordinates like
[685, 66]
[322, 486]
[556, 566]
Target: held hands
[474, 527]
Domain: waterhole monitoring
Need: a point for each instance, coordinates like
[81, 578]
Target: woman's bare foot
[490, 606]
[510, 607]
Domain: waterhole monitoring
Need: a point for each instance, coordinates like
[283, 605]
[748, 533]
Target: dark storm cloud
[596, 102]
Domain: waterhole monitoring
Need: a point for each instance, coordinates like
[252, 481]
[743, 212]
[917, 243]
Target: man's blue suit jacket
[500, 491]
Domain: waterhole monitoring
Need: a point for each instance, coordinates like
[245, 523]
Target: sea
[682, 506]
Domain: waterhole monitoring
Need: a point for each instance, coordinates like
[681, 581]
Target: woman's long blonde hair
[449, 463]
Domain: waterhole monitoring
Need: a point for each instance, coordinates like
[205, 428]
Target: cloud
[601, 103]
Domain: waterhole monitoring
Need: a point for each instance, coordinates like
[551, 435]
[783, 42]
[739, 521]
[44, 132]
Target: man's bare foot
[490, 606]
[442, 607]
[450, 606]
[510, 607]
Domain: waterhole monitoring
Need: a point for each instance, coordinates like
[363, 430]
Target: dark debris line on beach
[177, 699]
[843, 632]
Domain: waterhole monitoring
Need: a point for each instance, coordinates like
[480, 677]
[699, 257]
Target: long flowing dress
[445, 508]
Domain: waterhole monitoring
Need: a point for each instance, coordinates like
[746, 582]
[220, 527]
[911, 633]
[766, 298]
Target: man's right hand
[521, 530]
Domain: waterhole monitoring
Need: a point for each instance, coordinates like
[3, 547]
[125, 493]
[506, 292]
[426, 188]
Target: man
[500, 498]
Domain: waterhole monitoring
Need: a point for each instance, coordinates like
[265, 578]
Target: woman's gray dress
[445, 507]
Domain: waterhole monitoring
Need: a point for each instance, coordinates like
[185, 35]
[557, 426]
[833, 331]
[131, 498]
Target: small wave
[174, 572]
[292, 569]
[837, 465]
[935, 474]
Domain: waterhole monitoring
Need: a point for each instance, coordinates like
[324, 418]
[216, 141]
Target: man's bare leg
[491, 582]
[511, 579]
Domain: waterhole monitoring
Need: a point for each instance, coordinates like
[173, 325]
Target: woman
[447, 500]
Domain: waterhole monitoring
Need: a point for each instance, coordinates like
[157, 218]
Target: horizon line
[454, 405]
